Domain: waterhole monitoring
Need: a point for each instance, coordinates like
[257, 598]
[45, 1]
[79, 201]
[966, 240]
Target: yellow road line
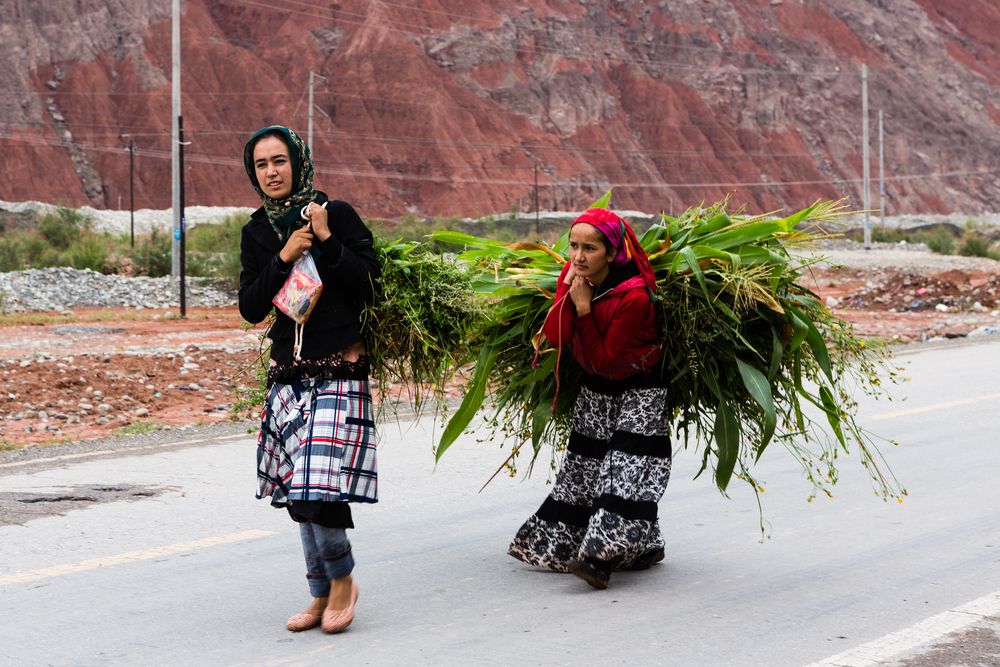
[934, 408]
[132, 556]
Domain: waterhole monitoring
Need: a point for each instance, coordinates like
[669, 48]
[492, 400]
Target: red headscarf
[624, 244]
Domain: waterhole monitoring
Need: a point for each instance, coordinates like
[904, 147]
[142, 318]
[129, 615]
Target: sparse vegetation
[151, 255]
[943, 240]
[213, 250]
[64, 237]
[975, 245]
[137, 428]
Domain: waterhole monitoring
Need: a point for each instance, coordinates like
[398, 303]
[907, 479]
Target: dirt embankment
[907, 295]
[89, 374]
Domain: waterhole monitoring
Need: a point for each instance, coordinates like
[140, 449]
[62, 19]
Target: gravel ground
[915, 256]
[58, 289]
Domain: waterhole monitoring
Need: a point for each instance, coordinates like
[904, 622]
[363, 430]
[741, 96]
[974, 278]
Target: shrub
[888, 235]
[974, 245]
[63, 226]
[89, 251]
[24, 250]
[213, 250]
[152, 254]
[940, 241]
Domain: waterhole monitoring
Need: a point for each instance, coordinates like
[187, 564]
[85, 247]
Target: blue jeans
[328, 556]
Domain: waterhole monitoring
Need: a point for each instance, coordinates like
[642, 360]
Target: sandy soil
[92, 374]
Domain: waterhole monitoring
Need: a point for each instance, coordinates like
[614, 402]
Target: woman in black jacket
[316, 448]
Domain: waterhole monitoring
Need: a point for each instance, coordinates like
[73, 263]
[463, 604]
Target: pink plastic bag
[298, 296]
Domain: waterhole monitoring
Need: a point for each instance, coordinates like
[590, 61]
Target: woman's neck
[600, 277]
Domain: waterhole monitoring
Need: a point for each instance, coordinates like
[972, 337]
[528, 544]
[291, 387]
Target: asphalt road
[162, 556]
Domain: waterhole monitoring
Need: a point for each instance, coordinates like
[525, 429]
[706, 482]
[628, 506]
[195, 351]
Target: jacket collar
[262, 232]
[620, 279]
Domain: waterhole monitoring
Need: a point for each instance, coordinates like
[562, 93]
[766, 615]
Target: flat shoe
[590, 573]
[646, 560]
[337, 620]
[303, 621]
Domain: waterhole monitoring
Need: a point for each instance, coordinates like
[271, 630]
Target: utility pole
[131, 191]
[183, 291]
[175, 145]
[536, 198]
[881, 172]
[865, 196]
[309, 131]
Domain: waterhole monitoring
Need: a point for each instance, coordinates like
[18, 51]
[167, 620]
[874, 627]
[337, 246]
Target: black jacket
[347, 266]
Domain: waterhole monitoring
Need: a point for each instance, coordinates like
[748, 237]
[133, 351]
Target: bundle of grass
[423, 323]
[748, 349]
[420, 329]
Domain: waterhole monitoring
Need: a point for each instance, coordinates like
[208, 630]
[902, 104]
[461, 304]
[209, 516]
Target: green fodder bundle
[423, 322]
[419, 329]
[752, 357]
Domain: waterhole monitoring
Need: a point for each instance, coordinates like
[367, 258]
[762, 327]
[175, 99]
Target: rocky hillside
[453, 106]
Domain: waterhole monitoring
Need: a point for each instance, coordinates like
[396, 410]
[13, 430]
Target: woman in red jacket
[601, 514]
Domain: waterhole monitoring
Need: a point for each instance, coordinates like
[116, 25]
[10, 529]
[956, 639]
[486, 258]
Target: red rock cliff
[446, 107]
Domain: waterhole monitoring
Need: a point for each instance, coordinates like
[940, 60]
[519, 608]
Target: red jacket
[618, 338]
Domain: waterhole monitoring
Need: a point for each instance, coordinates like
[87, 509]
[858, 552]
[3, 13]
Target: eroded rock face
[452, 111]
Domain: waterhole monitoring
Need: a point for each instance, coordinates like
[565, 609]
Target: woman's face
[273, 167]
[588, 253]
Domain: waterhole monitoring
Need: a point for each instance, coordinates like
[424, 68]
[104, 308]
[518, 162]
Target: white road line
[925, 633]
[132, 556]
[934, 407]
[82, 455]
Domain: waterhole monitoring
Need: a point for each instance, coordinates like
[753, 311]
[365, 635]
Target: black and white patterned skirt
[603, 505]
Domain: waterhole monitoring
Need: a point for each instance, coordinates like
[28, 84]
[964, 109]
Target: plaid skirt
[317, 442]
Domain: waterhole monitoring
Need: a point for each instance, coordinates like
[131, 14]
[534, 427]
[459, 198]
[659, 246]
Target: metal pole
[309, 132]
[131, 191]
[536, 198]
[881, 172]
[175, 246]
[864, 156]
[183, 235]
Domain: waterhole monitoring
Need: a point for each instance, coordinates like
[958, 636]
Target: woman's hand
[582, 293]
[319, 221]
[297, 244]
[568, 278]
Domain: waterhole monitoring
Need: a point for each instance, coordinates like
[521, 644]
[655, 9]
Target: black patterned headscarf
[284, 214]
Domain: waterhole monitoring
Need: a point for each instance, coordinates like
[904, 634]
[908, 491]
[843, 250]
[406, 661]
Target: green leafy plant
[751, 356]
[423, 321]
[420, 328]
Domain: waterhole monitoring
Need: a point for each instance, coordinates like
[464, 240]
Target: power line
[359, 139]
[205, 158]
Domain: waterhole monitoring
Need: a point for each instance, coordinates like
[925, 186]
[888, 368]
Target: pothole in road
[57, 499]
[21, 506]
